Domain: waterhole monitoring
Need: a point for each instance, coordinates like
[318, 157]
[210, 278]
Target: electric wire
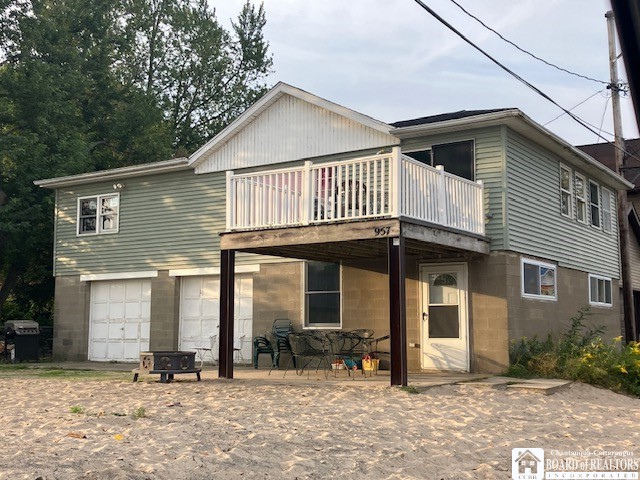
[514, 74]
[523, 50]
[574, 107]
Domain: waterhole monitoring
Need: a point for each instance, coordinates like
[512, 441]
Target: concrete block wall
[165, 306]
[533, 317]
[71, 318]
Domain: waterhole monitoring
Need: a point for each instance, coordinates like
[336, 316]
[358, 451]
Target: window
[98, 214]
[538, 280]
[580, 189]
[566, 192]
[457, 158]
[606, 209]
[600, 291]
[594, 201]
[322, 302]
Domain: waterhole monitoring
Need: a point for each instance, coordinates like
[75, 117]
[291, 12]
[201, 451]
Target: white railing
[384, 185]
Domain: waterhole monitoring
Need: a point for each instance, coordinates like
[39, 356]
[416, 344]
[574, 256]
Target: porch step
[489, 382]
[541, 385]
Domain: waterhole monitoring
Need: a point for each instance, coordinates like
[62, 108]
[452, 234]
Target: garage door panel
[115, 351]
[116, 311]
[145, 335]
[211, 308]
[244, 307]
[211, 288]
[133, 310]
[145, 308]
[100, 292]
[131, 331]
[100, 330]
[99, 351]
[100, 312]
[133, 291]
[116, 292]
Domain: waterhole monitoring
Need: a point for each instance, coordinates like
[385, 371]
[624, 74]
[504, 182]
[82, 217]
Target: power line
[523, 50]
[512, 73]
[604, 112]
[574, 107]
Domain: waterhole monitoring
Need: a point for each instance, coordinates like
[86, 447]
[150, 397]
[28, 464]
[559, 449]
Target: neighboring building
[605, 154]
[504, 243]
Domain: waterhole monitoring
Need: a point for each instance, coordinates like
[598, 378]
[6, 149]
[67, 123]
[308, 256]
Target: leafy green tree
[90, 85]
[202, 75]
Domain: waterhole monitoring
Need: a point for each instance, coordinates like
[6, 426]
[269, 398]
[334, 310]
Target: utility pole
[623, 218]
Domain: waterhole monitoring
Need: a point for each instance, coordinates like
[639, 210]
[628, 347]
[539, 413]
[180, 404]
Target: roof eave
[116, 173]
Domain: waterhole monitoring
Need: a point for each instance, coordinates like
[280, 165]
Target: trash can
[22, 340]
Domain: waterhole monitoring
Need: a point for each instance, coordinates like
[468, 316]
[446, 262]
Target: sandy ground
[242, 429]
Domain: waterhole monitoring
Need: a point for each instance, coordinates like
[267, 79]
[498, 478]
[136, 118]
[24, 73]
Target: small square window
[538, 280]
[322, 299]
[98, 214]
[600, 292]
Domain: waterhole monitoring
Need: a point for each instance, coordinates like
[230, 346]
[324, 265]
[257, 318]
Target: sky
[392, 60]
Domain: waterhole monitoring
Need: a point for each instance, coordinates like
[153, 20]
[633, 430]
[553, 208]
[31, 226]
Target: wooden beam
[227, 283]
[446, 238]
[397, 311]
[312, 234]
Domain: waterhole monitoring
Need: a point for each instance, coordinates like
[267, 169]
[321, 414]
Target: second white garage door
[200, 312]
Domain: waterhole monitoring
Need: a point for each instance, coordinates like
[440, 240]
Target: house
[527, 463]
[453, 233]
[605, 154]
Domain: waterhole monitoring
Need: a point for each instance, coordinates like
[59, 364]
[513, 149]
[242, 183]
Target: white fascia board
[263, 103]
[95, 277]
[521, 123]
[115, 173]
[191, 272]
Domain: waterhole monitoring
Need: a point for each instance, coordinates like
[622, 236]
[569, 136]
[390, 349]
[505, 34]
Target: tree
[90, 85]
[202, 75]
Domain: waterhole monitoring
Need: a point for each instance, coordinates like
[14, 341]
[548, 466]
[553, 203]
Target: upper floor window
[566, 194]
[594, 201]
[538, 280]
[98, 214]
[600, 291]
[606, 209]
[457, 158]
[580, 189]
[322, 295]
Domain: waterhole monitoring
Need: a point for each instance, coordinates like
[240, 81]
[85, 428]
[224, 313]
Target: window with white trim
[98, 214]
[538, 280]
[600, 292]
[566, 191]
[580, 190]
[594, 202]
[606, 209]
[322, 299]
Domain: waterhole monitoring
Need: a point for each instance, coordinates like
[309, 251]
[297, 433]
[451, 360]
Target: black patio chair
[305, 348]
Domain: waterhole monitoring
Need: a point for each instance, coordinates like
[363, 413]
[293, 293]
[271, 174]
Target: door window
[444, 321]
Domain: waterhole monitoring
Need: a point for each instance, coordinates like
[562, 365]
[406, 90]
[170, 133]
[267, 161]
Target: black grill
[22, 340]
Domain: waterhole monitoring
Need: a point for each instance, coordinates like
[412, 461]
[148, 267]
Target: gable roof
[273, 95]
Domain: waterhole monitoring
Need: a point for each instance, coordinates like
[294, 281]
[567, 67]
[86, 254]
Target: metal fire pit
[167, 364]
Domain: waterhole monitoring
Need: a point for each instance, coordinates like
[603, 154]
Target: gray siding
[167, 221]
[535, 224]
[634, 254]
[490, 156]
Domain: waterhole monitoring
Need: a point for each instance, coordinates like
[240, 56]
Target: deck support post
[227, 283]
[397, 310]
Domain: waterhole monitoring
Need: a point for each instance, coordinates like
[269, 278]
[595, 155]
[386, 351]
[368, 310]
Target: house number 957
[381, 231]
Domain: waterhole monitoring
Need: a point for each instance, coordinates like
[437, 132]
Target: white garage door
[200, 313]
[119, 320]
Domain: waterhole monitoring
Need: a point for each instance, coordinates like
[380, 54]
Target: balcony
[384, 186]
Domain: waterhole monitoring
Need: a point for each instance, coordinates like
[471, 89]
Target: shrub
[579, 354]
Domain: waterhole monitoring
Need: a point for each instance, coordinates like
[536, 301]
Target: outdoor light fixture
[118, 186]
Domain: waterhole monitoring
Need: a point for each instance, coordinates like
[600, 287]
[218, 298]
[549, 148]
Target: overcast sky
[391, 60]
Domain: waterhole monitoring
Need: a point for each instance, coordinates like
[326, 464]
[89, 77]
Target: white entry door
[200, 313]
[119, 320]
[445, 326]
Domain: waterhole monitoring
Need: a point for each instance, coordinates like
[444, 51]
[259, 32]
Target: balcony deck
[352, 207]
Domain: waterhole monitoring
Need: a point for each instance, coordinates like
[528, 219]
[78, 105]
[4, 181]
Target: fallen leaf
[76, 435]
[118, 437]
